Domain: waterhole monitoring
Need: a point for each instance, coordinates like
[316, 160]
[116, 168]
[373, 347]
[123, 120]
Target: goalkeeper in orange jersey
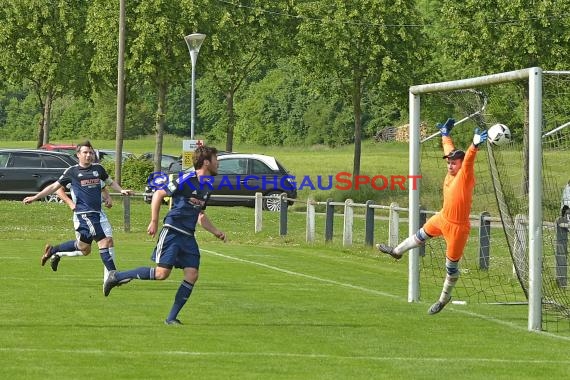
[452, 222]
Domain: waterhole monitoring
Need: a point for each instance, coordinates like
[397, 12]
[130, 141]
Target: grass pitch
[265, 307]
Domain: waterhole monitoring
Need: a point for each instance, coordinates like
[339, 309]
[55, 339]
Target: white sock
[70, 254]
[448, 286]
[408, 243]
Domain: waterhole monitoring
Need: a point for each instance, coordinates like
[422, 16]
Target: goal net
[520, 188]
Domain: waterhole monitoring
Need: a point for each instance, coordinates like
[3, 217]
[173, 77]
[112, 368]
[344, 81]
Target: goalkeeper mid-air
[452, 222]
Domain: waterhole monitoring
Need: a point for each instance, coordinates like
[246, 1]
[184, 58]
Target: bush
[134, 174]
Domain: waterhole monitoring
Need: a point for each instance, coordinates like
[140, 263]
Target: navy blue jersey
[189, 199]
[85, 185]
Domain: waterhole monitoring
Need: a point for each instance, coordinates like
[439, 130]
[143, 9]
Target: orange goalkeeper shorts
[455, 235]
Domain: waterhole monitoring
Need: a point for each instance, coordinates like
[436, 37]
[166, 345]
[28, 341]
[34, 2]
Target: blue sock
[180, 299]
[107, 259]
[68, 246]
[142, 273]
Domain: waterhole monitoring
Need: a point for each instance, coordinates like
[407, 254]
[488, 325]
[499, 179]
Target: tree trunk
[40, 135]
[356, 99]
[120, 131]
[46, 118]
[159, 127]
[231, 121]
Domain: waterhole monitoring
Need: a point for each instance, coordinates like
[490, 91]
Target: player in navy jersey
[176, 245]
[108, 202]
[85, 181]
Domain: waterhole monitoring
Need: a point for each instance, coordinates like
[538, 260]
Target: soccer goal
[517, 252]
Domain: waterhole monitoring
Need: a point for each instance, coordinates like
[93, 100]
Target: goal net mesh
[495, 265]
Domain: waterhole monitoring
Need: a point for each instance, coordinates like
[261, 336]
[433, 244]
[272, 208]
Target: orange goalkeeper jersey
[458, 189]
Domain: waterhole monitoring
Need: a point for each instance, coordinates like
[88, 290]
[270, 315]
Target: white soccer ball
[499, 134]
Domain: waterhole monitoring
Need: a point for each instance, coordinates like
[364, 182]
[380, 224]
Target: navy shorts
[91, 226]
[175, 249]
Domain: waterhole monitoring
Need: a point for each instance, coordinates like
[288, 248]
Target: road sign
[188, 148]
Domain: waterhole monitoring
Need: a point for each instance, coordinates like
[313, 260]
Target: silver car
[244, 175]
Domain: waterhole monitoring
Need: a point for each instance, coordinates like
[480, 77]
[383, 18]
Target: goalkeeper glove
[479, 137]
[445, 128]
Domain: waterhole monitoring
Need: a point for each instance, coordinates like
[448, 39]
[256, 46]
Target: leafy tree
[212, 110]
[159, 52]
[156, 52]
[43, 45]
[71, 119]
[271, 110]
[492, 36]
[178, 121]
[21, 117]
[328, 122]
[15, 112]
[359, 43]
[242, 42]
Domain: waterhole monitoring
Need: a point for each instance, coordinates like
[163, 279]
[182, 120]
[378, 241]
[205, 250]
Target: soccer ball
[499, 134]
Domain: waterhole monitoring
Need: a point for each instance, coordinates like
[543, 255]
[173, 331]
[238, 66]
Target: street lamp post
[194, 41]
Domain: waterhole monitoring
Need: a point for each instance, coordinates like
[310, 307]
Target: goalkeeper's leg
[452, 268]
[413, 241]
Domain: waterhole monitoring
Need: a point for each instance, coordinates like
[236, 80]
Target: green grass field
[265, 307]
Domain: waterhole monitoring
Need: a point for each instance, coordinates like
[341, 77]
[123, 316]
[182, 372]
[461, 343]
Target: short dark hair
[86, 143]
[201, 154]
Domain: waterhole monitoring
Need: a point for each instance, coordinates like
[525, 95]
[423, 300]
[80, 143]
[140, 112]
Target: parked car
[176, 166]
[247, 174]
[65, 148]
[31, 171]
[107, 154]
[165, 162]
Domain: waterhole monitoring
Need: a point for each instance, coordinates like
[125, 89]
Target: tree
[21, 114]
[360, 43]
[159, 52]
[491, 36]
[156, 54]
[44, 45]
[271, 110]
[242, 42]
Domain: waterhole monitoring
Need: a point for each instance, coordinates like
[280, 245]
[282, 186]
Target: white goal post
[534, 77]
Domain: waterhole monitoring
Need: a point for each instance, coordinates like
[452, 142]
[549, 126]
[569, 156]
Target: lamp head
[194, 41]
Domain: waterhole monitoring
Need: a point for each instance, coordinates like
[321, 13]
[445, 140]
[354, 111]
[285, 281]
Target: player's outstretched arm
[119, 189]
[46, 191]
